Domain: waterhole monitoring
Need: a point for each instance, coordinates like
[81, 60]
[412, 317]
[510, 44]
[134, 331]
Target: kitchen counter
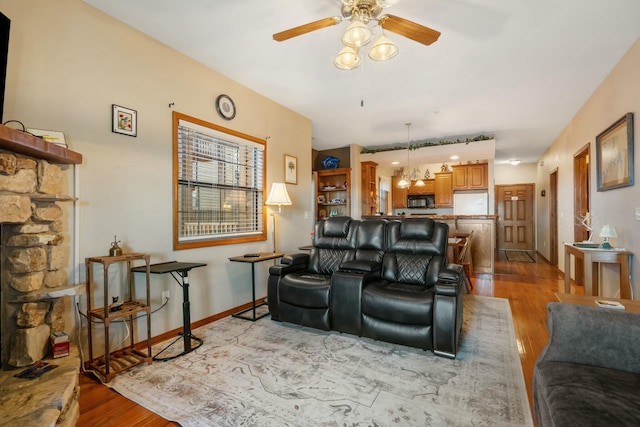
[484, 235]
[435, 216]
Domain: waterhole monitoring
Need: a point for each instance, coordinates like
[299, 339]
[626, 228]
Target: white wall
[68, 63]
[616, 96]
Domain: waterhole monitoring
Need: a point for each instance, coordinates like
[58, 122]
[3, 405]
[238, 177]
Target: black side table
[253, 259]
[182, 270]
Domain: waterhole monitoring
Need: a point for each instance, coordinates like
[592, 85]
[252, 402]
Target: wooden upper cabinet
[471, 177]
[428, 188]
[459, 177]
[369, 188]
[478, 176]
[398, 195]
[444, 189]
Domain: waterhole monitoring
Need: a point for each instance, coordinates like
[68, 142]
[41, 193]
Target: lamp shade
[403, 183]
[278, 195]
[383, 49]
[608, 230]
[357, 34]
[347, 59]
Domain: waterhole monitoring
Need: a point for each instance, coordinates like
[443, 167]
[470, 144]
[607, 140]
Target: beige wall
[68, 63]
[616, 96]
[523, 173]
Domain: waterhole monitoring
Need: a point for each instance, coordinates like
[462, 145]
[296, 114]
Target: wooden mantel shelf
[29, 145]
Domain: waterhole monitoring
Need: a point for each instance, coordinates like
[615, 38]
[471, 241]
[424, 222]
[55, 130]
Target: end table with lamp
[608, 231]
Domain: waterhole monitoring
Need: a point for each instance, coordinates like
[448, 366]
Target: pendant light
[405, 181]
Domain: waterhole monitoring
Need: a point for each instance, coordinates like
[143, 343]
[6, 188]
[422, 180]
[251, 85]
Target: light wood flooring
[527, 286]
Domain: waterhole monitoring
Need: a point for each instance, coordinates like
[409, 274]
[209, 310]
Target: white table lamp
[277, 196]
[607, 231]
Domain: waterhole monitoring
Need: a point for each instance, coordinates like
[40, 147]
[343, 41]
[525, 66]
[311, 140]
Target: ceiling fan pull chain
[362, 85]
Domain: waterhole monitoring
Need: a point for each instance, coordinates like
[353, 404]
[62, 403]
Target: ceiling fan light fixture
[419, 183]
[383, 49]
[347, 59]
[357, 34]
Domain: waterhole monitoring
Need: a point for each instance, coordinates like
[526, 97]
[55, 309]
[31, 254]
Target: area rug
[275, 374]
[519, 256]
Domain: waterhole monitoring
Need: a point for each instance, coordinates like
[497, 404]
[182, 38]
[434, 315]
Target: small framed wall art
[614, 155]
[124, 120]
[290, 169]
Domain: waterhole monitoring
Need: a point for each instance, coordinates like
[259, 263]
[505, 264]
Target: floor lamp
[277, 196]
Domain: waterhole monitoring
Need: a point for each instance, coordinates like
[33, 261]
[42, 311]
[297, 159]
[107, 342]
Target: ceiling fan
[358, 34]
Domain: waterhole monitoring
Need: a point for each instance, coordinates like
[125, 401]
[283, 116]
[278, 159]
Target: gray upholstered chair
[589, 372]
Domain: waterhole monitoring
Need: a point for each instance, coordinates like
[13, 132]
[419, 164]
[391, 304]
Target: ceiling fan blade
[404, 27]
[306, 28]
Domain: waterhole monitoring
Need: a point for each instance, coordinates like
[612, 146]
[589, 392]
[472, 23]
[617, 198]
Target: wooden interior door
[553, 218]
[515, 217]
[581, 203]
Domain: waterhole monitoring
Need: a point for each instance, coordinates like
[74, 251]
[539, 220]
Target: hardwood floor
[528, 287]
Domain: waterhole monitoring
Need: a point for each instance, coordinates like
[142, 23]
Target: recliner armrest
[295, 259]
[360, 265]
[449, 280]
[289, 264]
[451, 273]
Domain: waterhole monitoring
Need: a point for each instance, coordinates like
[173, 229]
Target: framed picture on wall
[290, 169]
[614, 155]
[124, 120]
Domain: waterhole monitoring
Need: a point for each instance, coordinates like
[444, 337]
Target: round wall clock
[225, 106]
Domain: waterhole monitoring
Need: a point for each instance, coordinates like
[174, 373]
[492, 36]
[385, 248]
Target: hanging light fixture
[383, 49]
[347, 59]
[405, 181]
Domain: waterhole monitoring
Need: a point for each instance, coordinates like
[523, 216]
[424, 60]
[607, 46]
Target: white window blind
[220, 182]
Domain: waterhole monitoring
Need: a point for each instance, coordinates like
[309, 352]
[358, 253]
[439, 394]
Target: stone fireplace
[36, 298]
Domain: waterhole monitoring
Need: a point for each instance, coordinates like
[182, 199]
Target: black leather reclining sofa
[384, 279]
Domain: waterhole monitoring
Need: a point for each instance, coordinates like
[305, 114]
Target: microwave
[426, 201]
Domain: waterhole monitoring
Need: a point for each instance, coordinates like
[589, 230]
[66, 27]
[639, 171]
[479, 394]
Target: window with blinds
[218, 185]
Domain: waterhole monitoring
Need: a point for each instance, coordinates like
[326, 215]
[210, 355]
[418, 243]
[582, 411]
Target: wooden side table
[592, 259]
[116, 361]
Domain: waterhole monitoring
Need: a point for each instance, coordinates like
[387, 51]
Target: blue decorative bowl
[330, 162]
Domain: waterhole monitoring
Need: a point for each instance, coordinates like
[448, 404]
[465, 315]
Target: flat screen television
[5, 24]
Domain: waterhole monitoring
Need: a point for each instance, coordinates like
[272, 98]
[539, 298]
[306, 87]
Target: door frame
[553, 217]
[581, 201]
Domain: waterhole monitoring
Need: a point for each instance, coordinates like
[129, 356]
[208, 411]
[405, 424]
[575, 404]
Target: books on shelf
[59, 344]
[609, 304]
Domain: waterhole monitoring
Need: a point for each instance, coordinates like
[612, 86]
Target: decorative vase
[330, 162]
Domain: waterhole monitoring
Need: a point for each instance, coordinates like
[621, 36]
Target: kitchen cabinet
[332, 193]
[398, 195]
[470, 177]
[369, 188]
[429, 187]
[444, 189]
